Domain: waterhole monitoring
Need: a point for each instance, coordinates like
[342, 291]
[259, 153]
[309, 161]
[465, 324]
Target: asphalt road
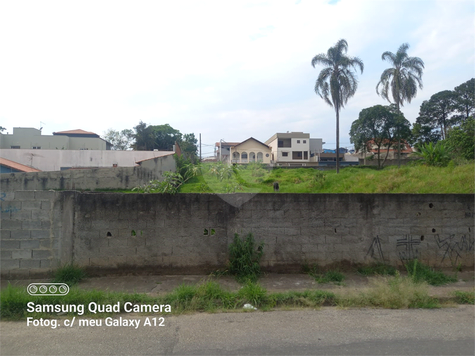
[328, 331]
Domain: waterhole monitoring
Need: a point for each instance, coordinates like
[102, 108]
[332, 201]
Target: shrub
[422, 273]
[434, 155]
[378, 269]
[244, 258]
[69, 274]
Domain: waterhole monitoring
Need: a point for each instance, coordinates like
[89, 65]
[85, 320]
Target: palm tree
[401, 80]
[337, 82]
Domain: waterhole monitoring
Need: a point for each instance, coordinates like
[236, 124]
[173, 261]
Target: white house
[294, 147]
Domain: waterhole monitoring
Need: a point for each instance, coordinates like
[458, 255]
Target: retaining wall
[191, 232]
[88, 179]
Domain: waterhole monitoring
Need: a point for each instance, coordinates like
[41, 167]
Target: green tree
[461, 140]
[144, 140]
[337, 82]
[155, 137]
[120, 140]
[379, 125]
[189, 148]
[399, 83]
[437, 112]
[464, 101]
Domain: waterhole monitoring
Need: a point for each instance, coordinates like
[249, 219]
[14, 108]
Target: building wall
[252, 146]
[192, 232]
[55, 160]
[27, 138]
[90, 179]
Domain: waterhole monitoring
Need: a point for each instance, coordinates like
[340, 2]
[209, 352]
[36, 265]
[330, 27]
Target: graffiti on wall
[375, 250]
[454, 246]
[408, 248]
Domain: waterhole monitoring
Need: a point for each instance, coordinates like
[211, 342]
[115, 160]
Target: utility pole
[200, 147]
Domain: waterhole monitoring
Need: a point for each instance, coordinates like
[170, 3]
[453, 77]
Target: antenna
[41, 125]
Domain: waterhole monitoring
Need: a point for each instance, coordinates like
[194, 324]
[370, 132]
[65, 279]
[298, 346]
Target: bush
[69, 274]
[244, 258]
[434, 155]
[422, 273]
[378, 269]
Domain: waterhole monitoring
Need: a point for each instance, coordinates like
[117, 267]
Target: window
[15, 147]
[305, 154]
[298, 141]
[285, 154]
[267, 155]
[304, 141]
[296, 155]
[36, 147]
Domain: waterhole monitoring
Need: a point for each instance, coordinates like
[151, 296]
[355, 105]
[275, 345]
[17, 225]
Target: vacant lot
[418, 179]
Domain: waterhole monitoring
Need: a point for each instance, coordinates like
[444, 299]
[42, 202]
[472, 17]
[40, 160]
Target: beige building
[294, 147]
[31, 138]
[250, 151]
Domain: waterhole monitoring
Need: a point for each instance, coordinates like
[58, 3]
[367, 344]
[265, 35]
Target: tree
[163, 138]
[189, 147]
[461, 140]
[337, 82]
[143, 137]
[399, 83]
[121, 141]
[436, 113]
[464, 101]
[155, 137]
[379, 125]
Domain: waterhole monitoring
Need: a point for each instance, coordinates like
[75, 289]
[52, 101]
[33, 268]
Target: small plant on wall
[245, 257]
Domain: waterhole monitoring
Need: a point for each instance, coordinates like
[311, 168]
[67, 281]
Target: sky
[227, 70]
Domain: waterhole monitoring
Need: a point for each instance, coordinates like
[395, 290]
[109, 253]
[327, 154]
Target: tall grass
[209, 296]
[408, 179]
[391, 293]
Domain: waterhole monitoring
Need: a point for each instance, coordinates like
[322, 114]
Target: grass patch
[380, 269]
[323, 277]
[463, 297]
[69, 274]
[391, 293]
[385, 292]
[244, 258]
[420, 272]
[408, 179]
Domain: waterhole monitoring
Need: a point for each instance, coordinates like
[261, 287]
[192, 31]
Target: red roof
[17, 166]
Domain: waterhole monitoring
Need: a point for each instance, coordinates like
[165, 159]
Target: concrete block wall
[80, 179]
[30, 232]
[192, 232]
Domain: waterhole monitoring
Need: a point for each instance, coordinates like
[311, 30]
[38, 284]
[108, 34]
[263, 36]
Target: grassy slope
[408, 179]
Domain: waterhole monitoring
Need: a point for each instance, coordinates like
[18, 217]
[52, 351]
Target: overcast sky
[226, 69]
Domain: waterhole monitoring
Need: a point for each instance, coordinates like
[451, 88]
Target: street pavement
[328, 331]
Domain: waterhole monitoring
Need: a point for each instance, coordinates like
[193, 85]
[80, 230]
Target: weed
[391, 292]
[330, 277]
[422, 273]
[69, 274]
[244, 258]
[253, 293]
[377, 269]
[464, 297]
[323, 277]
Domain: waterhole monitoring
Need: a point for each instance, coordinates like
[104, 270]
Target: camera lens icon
[47, 289]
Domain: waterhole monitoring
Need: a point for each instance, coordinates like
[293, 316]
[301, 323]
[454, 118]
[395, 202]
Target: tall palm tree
[337, 82]
[400, 82]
